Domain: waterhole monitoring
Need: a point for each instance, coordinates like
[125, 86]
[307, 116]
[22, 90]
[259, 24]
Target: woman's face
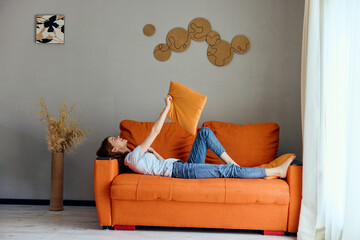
[119, 144]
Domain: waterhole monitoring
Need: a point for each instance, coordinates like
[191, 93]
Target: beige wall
[107, 68]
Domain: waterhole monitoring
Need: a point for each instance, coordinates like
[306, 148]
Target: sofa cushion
[248, 145]
[129, 186]
[172, 142]
[187, 106]
[275, 163]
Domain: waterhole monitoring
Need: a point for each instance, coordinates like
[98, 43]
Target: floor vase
[57, 181]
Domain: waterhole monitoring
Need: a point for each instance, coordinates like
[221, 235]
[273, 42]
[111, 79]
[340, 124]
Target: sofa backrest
[248, 145]
[172, 142]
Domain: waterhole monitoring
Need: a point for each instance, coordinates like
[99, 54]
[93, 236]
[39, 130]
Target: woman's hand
[158, 156]
[168, 99]
[151, 150]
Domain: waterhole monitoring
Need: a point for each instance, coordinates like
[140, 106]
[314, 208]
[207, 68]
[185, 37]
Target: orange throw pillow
[248, 145]
[275, 163]
[186, 107]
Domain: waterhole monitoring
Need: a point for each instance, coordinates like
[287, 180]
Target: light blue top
[148, 163]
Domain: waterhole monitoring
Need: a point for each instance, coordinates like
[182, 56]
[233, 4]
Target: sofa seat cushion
[128, 186]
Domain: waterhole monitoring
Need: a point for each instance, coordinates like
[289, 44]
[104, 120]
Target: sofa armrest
[104, 173]
[294, 179]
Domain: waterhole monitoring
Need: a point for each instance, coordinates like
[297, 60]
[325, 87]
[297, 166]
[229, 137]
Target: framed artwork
[50, 29]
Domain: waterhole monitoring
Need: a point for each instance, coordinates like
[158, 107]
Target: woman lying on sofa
[145, 160]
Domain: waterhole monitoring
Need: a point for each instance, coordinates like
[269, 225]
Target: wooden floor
[37, 222]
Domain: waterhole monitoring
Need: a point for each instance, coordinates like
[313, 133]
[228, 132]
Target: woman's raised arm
[155, 130]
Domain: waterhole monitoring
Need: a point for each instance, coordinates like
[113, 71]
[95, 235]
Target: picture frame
[50, 28]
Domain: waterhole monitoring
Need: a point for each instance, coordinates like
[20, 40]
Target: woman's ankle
[273, 172]
[280, 171]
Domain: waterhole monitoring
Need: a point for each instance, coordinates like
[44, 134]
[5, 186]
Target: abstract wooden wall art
[50, 29]
[162, 52]
[178, 39]
[149, 30]
[219, 52]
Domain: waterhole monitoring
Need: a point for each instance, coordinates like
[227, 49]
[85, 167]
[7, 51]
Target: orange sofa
[125, 200]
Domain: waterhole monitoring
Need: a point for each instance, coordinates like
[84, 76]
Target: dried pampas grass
[63, 132]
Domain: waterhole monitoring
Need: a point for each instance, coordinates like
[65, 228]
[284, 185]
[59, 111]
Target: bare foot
[284, 167]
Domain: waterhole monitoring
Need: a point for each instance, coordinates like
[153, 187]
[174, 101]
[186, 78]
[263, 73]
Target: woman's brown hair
[105, 150]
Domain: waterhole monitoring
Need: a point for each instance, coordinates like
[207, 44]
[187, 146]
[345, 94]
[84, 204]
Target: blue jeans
[195, 166]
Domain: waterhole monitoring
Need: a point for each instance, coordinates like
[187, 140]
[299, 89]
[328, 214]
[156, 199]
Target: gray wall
[106, 67]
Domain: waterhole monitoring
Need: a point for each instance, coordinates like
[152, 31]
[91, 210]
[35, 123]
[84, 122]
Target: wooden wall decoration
[199, 28]
[162, 52]
[149, 30]
[219, 52]
[178, 39]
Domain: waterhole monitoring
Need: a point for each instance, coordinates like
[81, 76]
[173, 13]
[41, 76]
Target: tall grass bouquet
[63, 131]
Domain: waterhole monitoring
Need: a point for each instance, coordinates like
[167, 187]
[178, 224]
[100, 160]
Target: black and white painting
[50, 29]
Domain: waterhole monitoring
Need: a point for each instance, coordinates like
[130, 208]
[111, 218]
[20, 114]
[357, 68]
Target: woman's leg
[227, 159]
[205, 139]
[200, 171]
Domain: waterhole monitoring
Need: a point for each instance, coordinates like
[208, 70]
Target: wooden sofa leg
[273, 232]
[124, 227]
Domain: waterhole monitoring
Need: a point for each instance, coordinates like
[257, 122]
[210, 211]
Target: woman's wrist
[167, 109]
